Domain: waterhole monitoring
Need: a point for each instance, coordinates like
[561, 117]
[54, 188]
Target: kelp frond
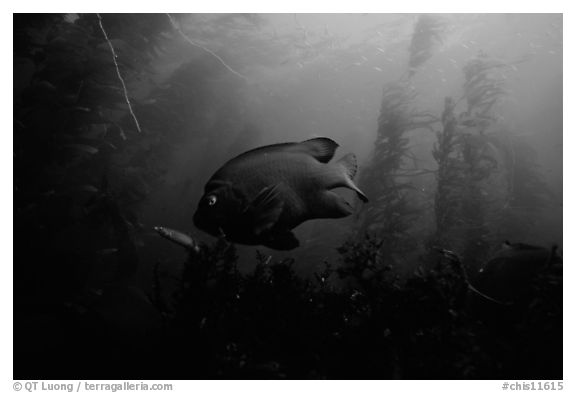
[483, 86]
[428, 33]
[389, 216]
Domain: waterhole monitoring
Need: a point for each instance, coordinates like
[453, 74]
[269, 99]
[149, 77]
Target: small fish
[178, 238]
[258, 197]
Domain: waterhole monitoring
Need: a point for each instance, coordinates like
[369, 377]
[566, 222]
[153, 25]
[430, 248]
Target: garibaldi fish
[258, 197]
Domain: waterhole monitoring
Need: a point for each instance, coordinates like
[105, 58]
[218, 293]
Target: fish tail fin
[349, 167]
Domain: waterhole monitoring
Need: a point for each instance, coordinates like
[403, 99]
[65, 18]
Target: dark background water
[363, 297]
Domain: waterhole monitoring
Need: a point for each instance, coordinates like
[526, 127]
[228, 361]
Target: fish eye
[212, 200]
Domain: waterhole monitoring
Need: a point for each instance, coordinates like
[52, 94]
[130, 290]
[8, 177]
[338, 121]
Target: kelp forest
[452, 270]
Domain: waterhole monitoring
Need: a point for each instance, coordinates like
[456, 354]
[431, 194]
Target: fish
[179, 238]
[258, 197]
[507, 276]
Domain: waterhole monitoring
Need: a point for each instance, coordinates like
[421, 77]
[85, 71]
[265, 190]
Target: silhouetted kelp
[272, 323]
[428, 32]
[391, 213]
[527, 192]
[476, 165]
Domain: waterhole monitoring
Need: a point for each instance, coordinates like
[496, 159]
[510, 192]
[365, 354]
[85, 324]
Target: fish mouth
[209, 224]
[203, 223]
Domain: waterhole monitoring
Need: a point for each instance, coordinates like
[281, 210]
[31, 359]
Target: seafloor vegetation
[273, 324]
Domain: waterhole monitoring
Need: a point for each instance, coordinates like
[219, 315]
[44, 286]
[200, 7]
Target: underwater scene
[288, 196]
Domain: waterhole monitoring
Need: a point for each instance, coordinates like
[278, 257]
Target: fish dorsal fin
[322, 148]
[266, 208]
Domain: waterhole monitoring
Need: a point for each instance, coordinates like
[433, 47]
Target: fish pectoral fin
[282, 241]
[265, 210]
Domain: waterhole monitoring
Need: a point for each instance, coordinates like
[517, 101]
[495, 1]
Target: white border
[265, 6]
